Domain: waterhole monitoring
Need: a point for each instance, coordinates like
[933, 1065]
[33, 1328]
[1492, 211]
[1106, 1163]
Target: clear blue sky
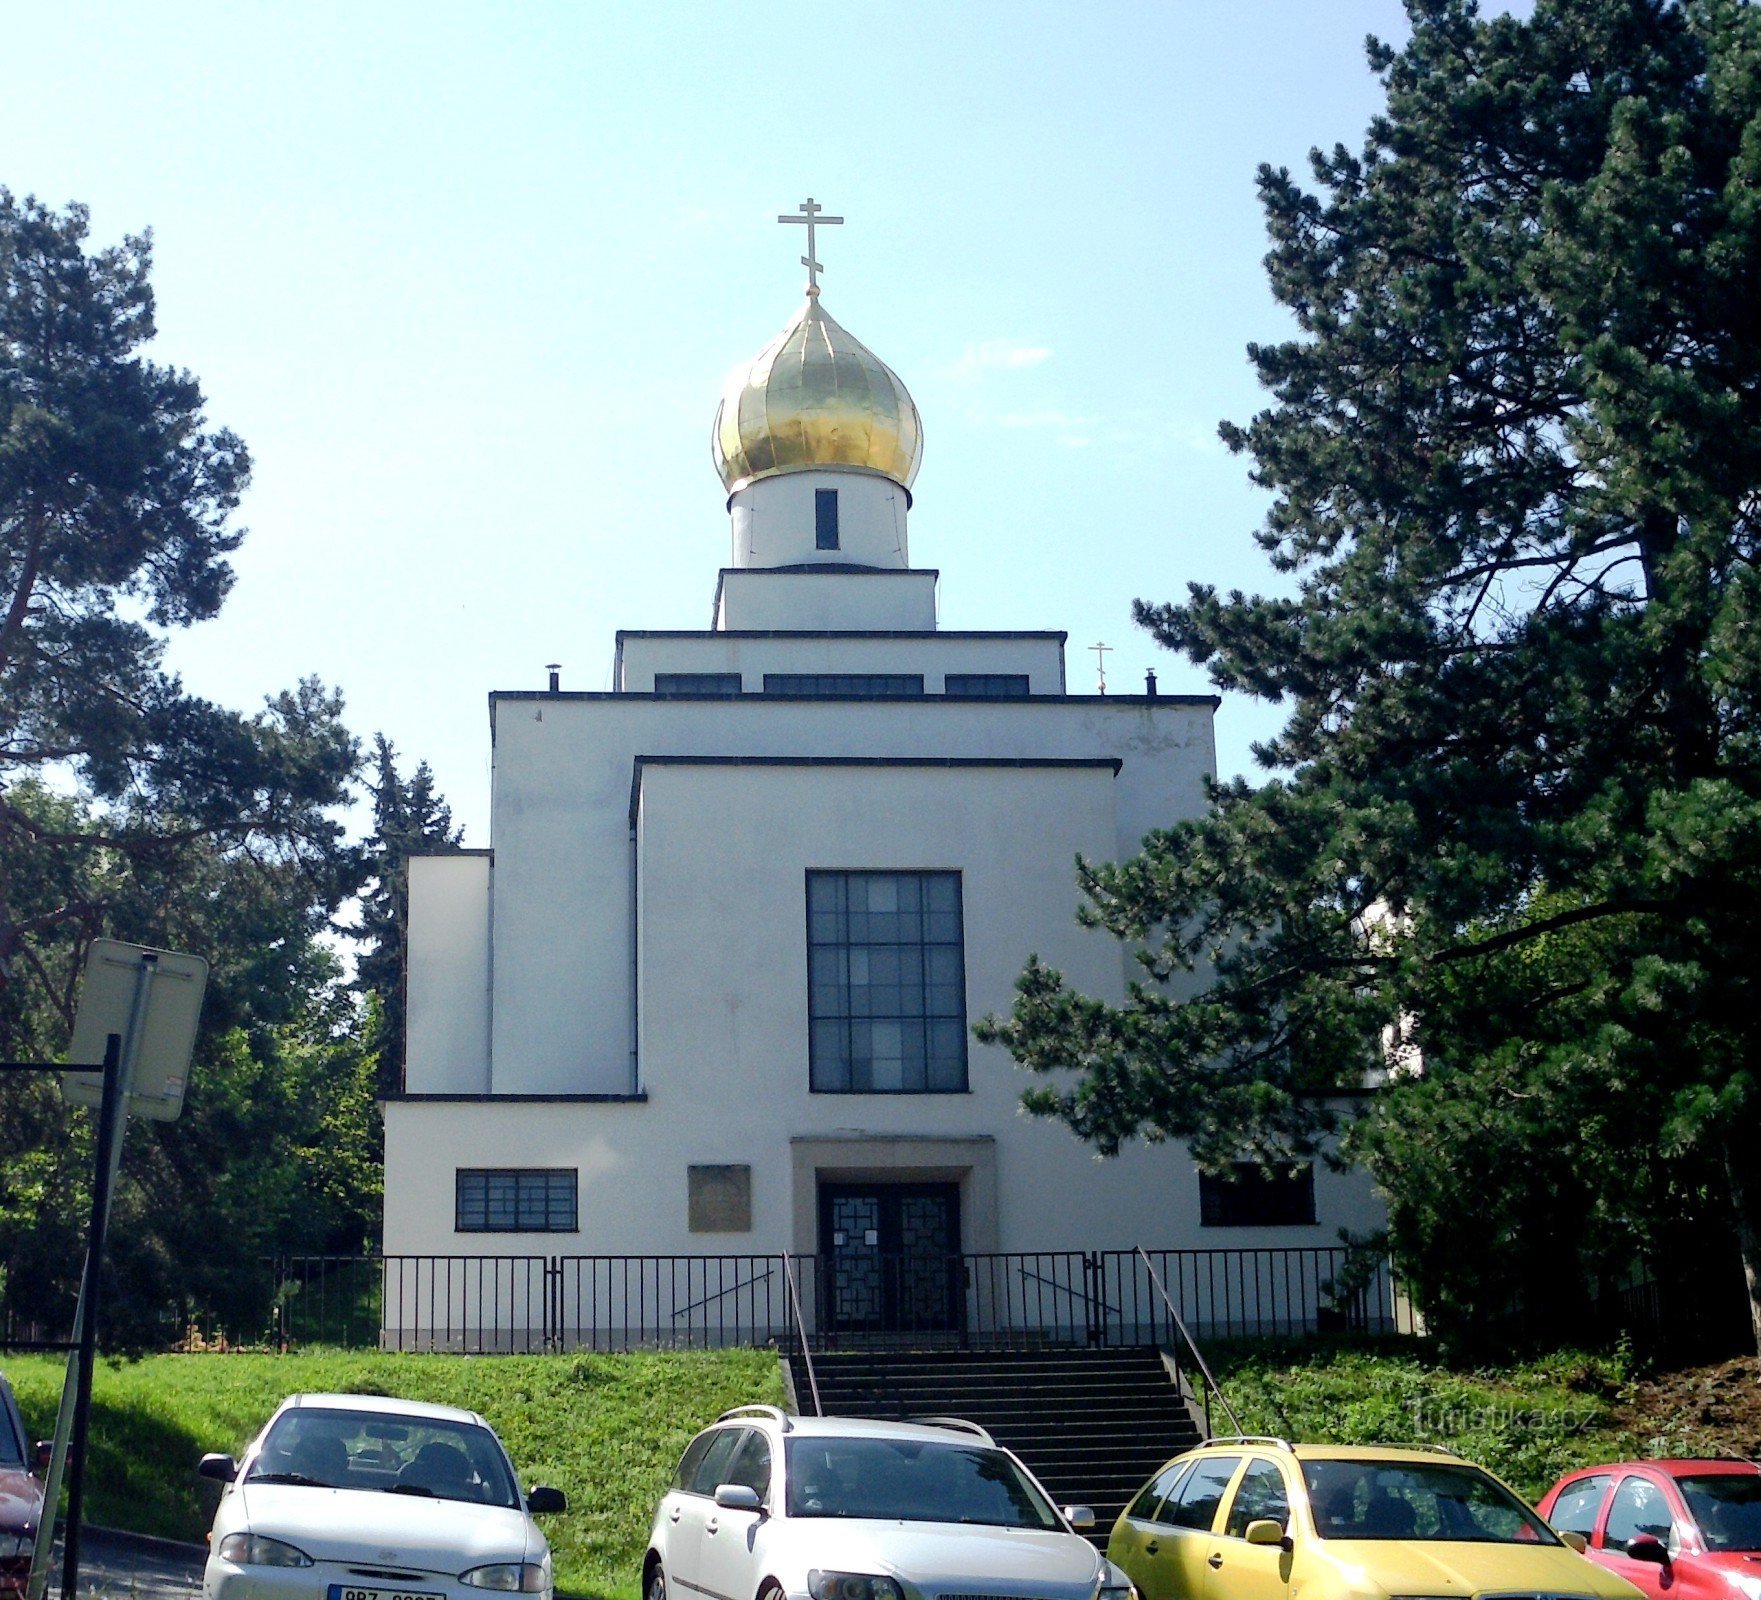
[467, 279]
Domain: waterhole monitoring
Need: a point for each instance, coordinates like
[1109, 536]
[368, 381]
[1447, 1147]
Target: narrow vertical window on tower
[825, 519]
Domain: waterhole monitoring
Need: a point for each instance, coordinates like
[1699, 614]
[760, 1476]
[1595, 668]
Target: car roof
[387, 1405]
[1250, 1444]
[1678, 1466]
[860, 1428]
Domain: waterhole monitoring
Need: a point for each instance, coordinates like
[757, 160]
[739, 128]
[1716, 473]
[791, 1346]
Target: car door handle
[1214, 1560]
[675, 1514]
[1151, 1548]
[711, 1525]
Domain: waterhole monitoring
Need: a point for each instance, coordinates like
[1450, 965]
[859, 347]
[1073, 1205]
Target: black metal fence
[999, 1300]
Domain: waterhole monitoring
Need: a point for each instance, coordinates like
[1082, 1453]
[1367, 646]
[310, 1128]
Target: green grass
[606, 1429]
[1528, 1422]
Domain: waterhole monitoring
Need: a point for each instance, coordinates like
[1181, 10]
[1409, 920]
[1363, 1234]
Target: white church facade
[707, 998]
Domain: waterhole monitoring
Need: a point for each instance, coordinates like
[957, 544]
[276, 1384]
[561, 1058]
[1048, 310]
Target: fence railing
[995, 1300]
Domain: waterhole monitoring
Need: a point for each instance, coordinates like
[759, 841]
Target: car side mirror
[1576, 1540]
[43, 1455]
[1264, 1530]
[1647, 1547]
[221, 1468]
[542, 1500]
[1081, 1518]
[737, 1497]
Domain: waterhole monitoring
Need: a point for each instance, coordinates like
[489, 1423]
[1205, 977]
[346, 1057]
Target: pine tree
[409, 818]
[1515, 454]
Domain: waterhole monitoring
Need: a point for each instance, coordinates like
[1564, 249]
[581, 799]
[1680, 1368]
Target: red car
[21, 1497]
[1680, 1530]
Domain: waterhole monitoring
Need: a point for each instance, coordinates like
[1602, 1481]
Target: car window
[11, 1438]
[1201, 1494]
[1727, 1506]
[911, 1480]
[1260, 1494]
[1575, 1508]
[1150, 1497]
[692, 1459]
[331, 1448]
[751, 1466]
[712, 1468]
[1638, 1507]
[1442, 1500]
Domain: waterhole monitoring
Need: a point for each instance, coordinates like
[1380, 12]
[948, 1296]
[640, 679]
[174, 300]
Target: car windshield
[1727, 1506]
[336, 1449]
[912, 1480]
[1417, 1500]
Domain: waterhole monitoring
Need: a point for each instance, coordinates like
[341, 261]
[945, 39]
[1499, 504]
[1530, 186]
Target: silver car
[767, 1506]
[351, 1497]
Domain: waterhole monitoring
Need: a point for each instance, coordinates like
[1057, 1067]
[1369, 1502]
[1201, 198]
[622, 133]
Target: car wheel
[771, 1591]
[656, 1589]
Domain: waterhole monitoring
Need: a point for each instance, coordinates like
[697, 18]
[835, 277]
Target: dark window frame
[825, 519]
[819, 1076]
[1252, 1199]
[846, 685]
[986, 685]
[719, 685]
[545, 1197]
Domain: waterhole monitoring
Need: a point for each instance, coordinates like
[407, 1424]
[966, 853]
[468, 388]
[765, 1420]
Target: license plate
[348, 1591]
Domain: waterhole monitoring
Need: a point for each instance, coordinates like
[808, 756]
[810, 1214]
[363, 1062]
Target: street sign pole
[85, 1323]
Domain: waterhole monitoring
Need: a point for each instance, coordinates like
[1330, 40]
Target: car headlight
[254, 1550]
[514, 1577]
[852, 1586]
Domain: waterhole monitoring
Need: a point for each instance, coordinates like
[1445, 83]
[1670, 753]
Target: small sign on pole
[160, 1042]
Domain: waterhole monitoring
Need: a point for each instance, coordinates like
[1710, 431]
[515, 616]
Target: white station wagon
[353, 1497]
[767, 1506]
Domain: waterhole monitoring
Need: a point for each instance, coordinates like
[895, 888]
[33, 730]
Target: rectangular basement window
[1253, 1198]
[515, 1200]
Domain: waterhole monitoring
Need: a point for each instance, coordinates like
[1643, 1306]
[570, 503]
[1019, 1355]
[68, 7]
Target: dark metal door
[892, 1256]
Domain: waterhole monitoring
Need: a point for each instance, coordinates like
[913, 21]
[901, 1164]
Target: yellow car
[1249, 1518]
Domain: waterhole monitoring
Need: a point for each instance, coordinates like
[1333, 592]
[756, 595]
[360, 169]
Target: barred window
[987, 685]
[515, 1200]
[853, 685]
[683, 683]
[1253, 1198]
[886, 983]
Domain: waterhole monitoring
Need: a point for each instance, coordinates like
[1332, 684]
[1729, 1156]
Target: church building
[709, 994]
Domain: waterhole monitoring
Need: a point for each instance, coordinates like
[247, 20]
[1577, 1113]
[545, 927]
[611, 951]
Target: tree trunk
[1745, 1197]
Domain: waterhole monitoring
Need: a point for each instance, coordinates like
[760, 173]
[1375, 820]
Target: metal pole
[38, 1582]
[111, 1115]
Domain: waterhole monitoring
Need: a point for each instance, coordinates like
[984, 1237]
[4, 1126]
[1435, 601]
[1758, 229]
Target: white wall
[564, 769]
[773, 521]
[448, 987]
[808, 600]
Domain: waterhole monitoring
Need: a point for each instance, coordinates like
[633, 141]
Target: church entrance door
[890, 1254]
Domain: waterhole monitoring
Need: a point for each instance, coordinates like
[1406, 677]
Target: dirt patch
[1695, 1411]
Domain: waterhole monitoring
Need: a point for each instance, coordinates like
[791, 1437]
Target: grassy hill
[606, 1429]
[609, 1429]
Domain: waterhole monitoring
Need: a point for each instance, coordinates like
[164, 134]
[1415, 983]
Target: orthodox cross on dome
[810, 215]
[1102, 651]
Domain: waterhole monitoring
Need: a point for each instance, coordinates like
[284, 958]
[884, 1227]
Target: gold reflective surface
[815, 396]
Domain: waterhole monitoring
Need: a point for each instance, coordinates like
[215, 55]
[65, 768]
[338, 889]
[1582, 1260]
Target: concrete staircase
[1092, 1424]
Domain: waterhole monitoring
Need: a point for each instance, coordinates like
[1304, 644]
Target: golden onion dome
[815, 396]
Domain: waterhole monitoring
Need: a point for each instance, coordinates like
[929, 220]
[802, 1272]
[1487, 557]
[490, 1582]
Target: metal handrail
[721, 1294]
[1214, 1387]
[801, 1330]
